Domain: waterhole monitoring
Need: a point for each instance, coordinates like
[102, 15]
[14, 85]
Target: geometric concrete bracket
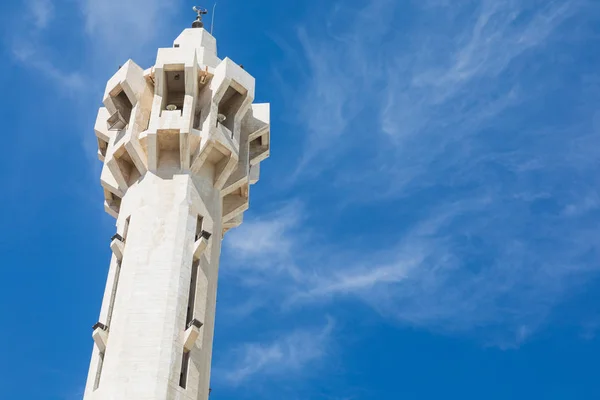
[200, 244]
[191, 334]
[100, 336]
[117, 246]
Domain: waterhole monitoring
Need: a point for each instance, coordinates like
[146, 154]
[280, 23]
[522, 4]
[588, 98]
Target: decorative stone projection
[181, 144]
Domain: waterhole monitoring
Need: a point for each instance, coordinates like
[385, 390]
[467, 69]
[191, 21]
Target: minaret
[181, 144]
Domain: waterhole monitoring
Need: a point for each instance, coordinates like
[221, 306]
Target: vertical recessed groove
[185, 359]
[99, 371]
[113, 294]
[111, 304]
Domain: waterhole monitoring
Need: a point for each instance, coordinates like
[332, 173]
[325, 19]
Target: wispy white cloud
[42, 12]
[30, 55]
[265, 237]
[459, 271]
[114, 31]
[430, 87]
[28, 48]
[265, 244]
[456, 85]
[583, 205]
[111, 32]
[290, 353]
[500, 32]
[450, 286]
[123, 29]
[338, 73]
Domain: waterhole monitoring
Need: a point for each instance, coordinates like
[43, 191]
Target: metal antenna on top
[212, 23]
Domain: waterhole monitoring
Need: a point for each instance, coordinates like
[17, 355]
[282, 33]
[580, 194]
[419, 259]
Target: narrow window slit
[126, 227]
[189, 317]
[111, 304]
[199, 228]
[185, 363]
[113, 295]
[197, 116]
[192, 294]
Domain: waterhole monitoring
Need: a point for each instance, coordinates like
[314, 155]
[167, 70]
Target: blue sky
[426, 227]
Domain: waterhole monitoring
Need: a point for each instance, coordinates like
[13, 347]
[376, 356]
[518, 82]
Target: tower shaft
[156, 289]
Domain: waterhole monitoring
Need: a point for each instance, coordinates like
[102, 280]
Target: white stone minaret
[181, 144]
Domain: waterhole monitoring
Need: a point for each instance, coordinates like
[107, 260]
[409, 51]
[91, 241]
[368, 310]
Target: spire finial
[198, 22]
